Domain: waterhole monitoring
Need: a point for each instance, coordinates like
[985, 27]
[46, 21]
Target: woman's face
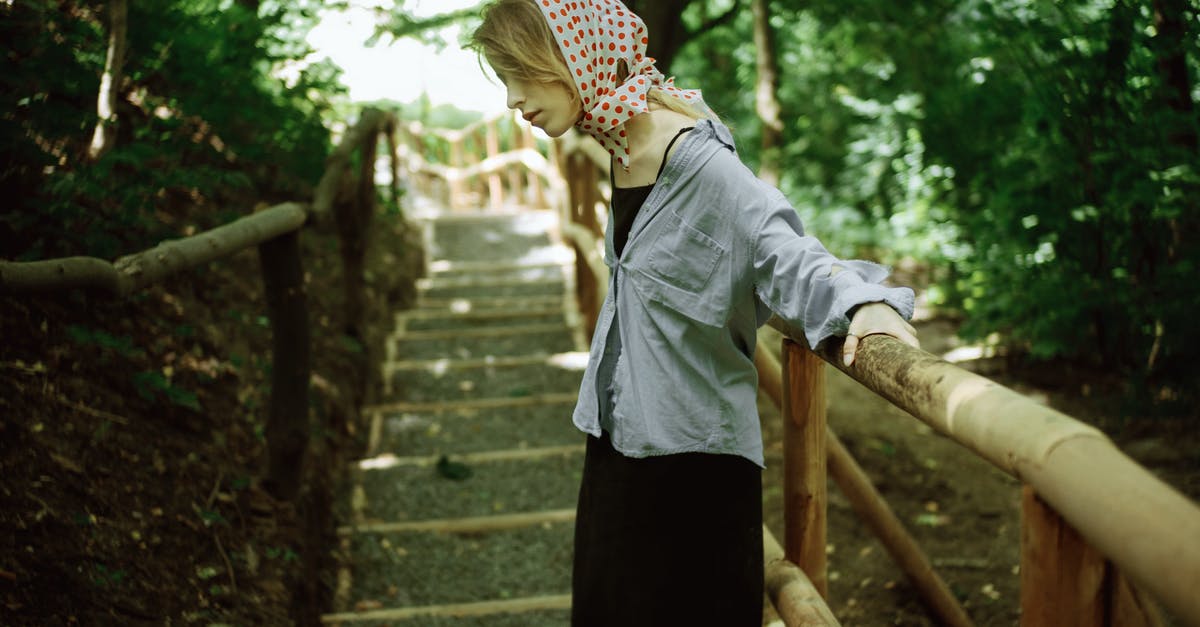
[548, 106]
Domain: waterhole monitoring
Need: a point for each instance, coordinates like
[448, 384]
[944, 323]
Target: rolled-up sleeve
[794, 275]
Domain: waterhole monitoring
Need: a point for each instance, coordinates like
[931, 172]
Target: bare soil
[132, 439]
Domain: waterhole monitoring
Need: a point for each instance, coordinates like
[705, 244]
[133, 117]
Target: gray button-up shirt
[712, 252]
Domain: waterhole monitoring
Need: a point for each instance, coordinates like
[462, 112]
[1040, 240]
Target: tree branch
[720, 20]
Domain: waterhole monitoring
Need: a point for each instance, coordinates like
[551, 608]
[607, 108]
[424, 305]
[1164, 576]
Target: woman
[669, 524]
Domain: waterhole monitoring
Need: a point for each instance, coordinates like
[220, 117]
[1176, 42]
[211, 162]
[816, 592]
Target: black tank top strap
[667, 152]
[612, 180]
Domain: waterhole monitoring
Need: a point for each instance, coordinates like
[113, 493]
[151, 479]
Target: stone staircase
[462, 513]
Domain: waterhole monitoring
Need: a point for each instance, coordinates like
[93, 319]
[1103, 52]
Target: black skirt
[671, 540]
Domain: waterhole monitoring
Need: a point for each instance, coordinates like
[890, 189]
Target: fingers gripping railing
[1081, 492]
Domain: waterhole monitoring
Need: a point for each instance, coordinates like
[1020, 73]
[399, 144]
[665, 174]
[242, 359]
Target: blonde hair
[516, 41]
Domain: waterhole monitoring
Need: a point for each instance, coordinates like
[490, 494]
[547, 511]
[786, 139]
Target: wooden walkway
[462, 513]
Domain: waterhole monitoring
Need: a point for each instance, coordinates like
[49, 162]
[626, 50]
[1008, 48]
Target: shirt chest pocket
[683, 272]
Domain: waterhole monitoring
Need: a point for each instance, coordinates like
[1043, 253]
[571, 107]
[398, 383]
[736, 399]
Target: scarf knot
[597, 38]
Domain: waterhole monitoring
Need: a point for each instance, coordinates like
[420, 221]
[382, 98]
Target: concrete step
[450, 267]
[498, 289]
[523, 612]
[484, 303]
[418, 569]
[524, 340]
[492, 241]
[492, 382]
[427, 319]
[479, 279]
[414, 430]
[407, 493]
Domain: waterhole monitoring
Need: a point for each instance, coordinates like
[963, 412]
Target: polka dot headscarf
[595, 36]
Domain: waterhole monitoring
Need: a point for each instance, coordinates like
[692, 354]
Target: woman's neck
[649, 134]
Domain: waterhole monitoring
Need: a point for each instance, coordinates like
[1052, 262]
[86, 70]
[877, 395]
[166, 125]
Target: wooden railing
[275, 231]
[1091, 516]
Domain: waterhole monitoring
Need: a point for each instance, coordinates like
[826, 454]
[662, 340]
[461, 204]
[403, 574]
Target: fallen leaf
[367, 605]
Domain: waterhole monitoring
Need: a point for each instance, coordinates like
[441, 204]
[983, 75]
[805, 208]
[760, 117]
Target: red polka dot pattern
[596, 35]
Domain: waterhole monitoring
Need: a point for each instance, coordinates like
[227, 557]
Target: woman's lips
[531, 115]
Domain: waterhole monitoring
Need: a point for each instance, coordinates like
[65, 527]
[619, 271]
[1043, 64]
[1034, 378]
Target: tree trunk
[766, 101]
[110, 82]
[665, 25]
[1171, 24]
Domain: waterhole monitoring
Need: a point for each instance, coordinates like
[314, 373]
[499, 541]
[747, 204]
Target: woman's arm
[814, 290]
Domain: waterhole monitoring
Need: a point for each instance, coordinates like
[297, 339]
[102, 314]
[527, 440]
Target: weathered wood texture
[873, 509]
[1073, 467]
[804, 477]
[134, 272]
[371, 123]
[288, 418]
[794, 596]
[1065, 582]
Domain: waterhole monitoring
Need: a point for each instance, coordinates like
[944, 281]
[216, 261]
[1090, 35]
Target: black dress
[668, 540]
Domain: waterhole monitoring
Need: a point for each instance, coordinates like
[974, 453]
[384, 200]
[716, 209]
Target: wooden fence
[275, 231]
[1098, 530]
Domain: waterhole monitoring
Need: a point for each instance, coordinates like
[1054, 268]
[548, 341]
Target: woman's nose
[515, 98]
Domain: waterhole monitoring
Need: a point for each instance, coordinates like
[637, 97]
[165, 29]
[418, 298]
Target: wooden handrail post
[531, 180]
[495, 191]
[287, 309]
[804, 457]
[1066, 582]
[515, 180]
[457, 185]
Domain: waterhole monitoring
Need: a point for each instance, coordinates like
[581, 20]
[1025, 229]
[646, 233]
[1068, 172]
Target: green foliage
[122, 345]
[201, 120]
[1040, 156]
[104, 576]
[151, 384]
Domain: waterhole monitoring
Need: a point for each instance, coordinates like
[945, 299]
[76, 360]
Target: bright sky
[402, 70]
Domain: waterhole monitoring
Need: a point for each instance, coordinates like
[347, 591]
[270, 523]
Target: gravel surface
[557, 618]
[408, 434]
[503, 273]
[538, 343]
[473, 383]
[481, 242]
[514, 318]
[536, 288]
[419, 493]
[409, 569]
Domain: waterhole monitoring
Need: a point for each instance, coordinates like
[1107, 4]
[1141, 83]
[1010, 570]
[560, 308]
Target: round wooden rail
[1148, 529]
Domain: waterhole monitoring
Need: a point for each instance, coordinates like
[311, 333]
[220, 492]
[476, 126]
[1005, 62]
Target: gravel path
[532, 342]
[496, 382]
[539, 288]
[469, 431]
[493, 488]
[433, 568]
[415, 569]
